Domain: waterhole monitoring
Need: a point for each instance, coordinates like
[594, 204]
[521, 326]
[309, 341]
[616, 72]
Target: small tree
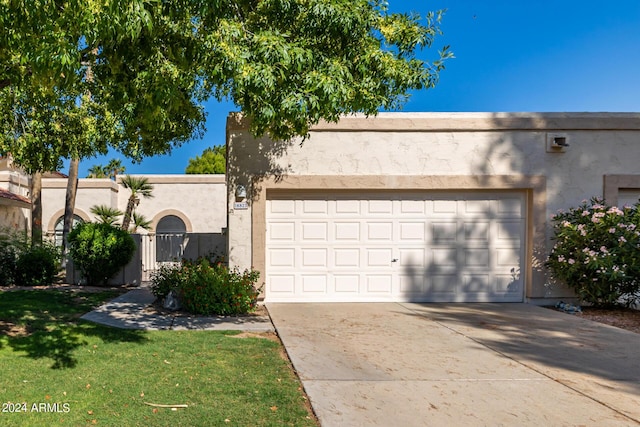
[106, 214]
[139, 186]
[212, 160]
[100, 250]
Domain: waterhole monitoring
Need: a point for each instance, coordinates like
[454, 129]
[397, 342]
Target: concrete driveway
[385, 364]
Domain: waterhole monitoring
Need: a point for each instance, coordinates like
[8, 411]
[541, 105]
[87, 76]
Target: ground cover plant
[596, 252]
[205, 287]
[79, 373]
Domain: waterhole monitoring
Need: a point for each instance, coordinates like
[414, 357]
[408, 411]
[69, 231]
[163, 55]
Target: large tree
[287, 64]
[212, 160]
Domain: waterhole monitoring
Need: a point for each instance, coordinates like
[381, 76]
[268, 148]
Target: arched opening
[57, 230]
[170, 239]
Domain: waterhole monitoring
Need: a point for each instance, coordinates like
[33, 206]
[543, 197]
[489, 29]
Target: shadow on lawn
[46, 324]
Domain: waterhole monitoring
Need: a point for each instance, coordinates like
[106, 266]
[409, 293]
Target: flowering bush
[597, 252]
[206, 288]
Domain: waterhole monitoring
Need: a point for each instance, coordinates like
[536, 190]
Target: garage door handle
[394, 260]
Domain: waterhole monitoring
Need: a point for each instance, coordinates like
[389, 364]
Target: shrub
[100, 250]
[12, 245]
[205, 288]
[37, 265]
[596, 252]
[8, 256]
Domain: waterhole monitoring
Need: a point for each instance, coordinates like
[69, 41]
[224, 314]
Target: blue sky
[510, 55]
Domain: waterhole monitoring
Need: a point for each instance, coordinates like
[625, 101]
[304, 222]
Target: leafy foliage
[212, 160]
[100, 250]
[106, 214]
[139, 186]
[596, 252]
[89, 76]
[38, 265]
[205, 288]
[24, 263]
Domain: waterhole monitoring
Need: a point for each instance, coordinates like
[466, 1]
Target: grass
[78, 373]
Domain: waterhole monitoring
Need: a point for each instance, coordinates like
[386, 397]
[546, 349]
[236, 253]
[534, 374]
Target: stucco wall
[200, 200]
[437, 151]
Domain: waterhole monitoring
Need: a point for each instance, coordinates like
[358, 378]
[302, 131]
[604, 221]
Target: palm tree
[106, 214]
[96, 171]
[113, 168]
[139, 221]
[139, 186]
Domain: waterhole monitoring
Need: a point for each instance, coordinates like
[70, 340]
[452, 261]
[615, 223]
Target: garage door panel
[449, 247]
[476, 284]
[379, 283]
[347, 284]
[413, 258]
[445, 206]
[511, 206]
[347, 231]
[377, 207]
[281, 258]
[380, 231]
[314, 283]
[314, 258]
[412, 207]
[315, 207]
[281, 284]
[347, 207]
[444, 233]
[477, 258]
[476, 231]
[444, 257]
[412, 231]
[347, 257]
[379, 257]
[315, 231]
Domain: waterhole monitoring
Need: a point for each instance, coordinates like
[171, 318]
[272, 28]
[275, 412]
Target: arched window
[60, 225]
[170, 235]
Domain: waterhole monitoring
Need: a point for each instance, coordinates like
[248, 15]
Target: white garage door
[390, 246]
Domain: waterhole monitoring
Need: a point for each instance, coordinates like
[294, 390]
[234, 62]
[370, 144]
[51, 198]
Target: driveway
[384, 364]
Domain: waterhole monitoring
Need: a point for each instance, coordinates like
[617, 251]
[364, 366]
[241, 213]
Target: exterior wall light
[557, 142]
[241, 192]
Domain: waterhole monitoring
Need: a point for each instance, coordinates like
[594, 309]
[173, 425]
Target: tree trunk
[131, 205]
[69, 205]
[36, 207]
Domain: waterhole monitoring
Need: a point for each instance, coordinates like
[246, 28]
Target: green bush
[99, 251]
[205, 288]
[8, 257]
[596, 252]
[37, 265]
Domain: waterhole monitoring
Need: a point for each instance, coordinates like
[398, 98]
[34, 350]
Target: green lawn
[59, 370]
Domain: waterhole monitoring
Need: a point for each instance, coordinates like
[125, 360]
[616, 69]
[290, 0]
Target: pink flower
[572, 261]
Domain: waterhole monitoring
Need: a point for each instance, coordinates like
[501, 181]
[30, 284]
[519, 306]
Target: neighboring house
[15, 206]
[187, 213]
[450, 207]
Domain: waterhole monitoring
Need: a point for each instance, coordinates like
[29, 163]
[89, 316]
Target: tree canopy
[78, 77]
[212, 160]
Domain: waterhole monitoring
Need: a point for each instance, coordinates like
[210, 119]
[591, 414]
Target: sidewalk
[128, 311]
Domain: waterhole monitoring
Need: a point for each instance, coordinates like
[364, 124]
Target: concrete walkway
[129, 311]
[460, 365]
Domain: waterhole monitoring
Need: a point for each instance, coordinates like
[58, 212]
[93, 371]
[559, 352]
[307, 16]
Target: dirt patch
[157, 308]
[623, 318]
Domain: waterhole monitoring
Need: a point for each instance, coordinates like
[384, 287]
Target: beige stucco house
[187, 212]
[420, 206]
